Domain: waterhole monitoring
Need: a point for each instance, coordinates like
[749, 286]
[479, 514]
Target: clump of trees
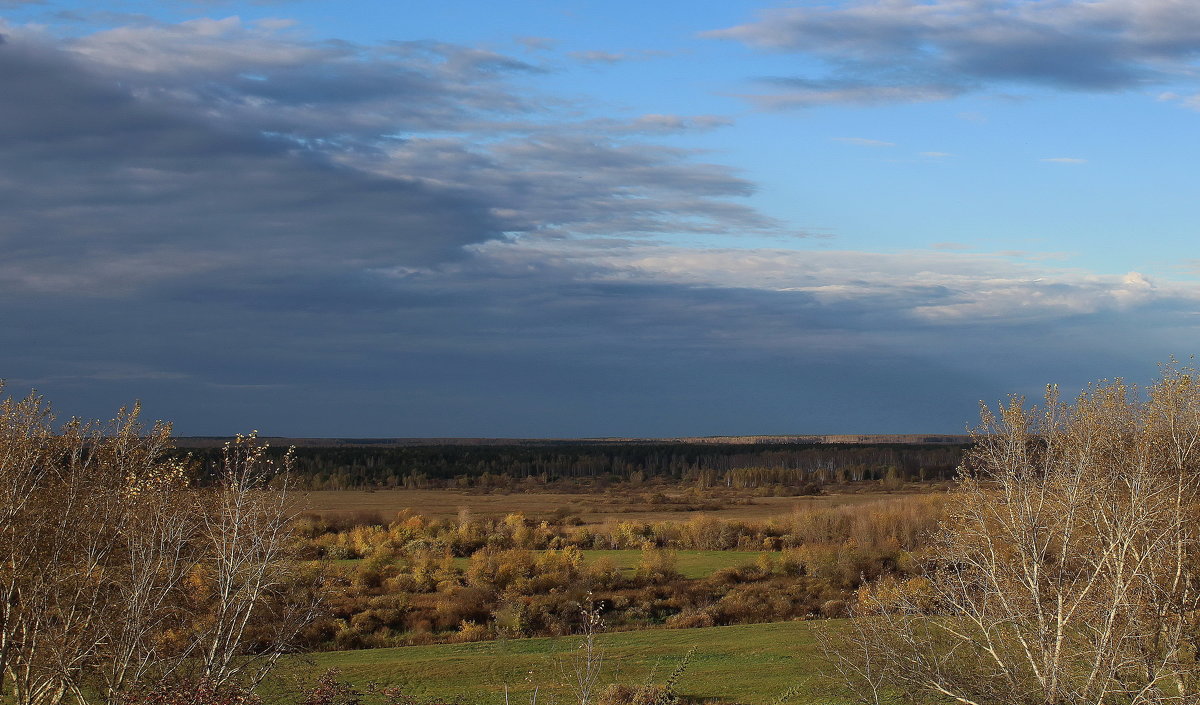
[1068, 570]
[895, 523]
[119, 571]
[422, 580]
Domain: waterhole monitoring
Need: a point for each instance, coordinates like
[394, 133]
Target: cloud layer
[154, 152]
[887, 51]
[250, 228]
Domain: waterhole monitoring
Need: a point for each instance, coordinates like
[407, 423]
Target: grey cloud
[598, 57]
[806, 93]
[223, 150]
[260, 77]
[196, 236]
[658, 124]
[104, 189]
[613, 57]
[208, 231]
[572, 183]
[543, 337]
[878, 51]
[537, 43]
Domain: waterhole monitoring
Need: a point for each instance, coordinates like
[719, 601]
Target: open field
[753, 664]
[592, 508]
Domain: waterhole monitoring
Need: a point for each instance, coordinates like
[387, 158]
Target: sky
[362, 218]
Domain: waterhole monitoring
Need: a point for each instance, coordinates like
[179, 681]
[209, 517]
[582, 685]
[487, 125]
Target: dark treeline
[733, 465]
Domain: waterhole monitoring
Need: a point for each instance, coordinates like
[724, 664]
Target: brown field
[592, 508]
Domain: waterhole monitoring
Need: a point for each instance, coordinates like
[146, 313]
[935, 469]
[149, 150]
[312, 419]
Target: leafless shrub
[115, 573]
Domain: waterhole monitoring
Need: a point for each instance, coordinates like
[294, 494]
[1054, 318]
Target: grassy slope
[752, 664]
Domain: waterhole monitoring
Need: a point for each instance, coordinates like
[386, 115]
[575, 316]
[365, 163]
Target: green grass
[691, 564]
[752, 664]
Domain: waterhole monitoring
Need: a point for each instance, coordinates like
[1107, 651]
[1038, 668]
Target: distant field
[592, 508]
[753, 664]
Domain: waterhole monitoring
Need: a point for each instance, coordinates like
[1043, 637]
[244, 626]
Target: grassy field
[592, 508]
[752, 664]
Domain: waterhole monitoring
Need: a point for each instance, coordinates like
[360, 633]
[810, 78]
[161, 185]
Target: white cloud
[942, 287]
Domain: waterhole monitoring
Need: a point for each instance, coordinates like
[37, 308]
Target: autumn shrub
[691, 618]
[648, 694]
[657, 565]
[507, 588]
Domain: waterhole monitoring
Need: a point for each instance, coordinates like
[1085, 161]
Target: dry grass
[592, 508]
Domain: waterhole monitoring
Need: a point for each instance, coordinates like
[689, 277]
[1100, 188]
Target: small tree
[116, 572]
[583, 673]
[251, 611]
[1068, 570]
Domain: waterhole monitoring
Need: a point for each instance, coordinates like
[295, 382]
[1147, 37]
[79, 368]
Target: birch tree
[1068, 571]
[117, 573]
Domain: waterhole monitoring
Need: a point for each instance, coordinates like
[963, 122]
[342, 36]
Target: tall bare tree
[248, 560]
[1069, 570]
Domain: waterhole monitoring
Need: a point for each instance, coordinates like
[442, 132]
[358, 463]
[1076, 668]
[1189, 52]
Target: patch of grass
[752, 664]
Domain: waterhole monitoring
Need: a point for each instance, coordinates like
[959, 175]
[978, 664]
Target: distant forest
[597, 464]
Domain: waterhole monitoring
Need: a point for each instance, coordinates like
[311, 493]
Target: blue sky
[583, 219]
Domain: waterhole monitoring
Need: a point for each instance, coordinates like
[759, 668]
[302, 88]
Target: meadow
[753, 664]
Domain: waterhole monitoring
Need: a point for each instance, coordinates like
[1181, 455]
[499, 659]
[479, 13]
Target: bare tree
[1068, 570]
[250, 569]
[116, 573]
[582, 674]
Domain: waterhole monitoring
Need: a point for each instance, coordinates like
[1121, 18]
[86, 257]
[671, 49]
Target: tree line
[508, 466]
